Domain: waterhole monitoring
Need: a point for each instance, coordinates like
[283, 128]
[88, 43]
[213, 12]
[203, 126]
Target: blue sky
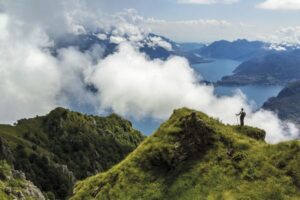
[258, 23]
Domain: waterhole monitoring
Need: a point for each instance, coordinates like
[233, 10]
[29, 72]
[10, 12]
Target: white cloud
[132, 85]
[289, 35]
[29, 76]
[32, 81]
[155, 41]
[102, 36]
[117, 39]
[201, 30]
[75, 17]
[283, 37]
[207, 1]
[280, 5]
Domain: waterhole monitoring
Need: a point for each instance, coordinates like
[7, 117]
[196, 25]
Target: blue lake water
[214, 71]
[258, 94]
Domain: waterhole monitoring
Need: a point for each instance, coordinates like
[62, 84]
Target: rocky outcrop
[15, 186]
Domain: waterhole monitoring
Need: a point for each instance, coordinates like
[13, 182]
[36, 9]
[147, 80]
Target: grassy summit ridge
[64, 146]
[198, 157]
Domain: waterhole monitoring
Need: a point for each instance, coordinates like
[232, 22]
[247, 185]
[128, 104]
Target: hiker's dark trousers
[242, 121]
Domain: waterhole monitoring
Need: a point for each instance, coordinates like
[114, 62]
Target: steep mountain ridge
[276, 68]
[286, 104]
[193, 156]
[57, 149]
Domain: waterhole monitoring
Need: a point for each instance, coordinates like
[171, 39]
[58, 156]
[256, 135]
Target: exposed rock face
[5, 152]
[15, 186]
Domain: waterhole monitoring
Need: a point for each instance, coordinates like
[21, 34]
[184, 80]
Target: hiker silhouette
[242, 115]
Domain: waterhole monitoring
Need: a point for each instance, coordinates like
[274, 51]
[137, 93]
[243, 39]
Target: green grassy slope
[57, 149]
[200, 158]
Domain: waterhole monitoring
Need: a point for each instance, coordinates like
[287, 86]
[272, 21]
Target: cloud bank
[201, 29]
[280, 5]
[33, 81]
[132, 85]
[207, 2]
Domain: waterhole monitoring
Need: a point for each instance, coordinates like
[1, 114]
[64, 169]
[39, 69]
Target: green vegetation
[193, 156]
[57, 149]
[13, 185]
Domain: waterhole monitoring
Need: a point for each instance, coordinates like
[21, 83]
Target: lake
[213, 72]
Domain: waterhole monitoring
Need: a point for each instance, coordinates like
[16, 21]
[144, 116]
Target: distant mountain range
[258, 57]
[190, 46]
[241, 49]
[287, 103]
[280, 67]
[237, 50]
[154, 46]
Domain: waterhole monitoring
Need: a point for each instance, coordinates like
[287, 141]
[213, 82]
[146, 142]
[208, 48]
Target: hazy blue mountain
[276, 68]
[286, 104]
[88, 42]
[190, 46]
[237, 50]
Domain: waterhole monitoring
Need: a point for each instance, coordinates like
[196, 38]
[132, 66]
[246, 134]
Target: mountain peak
[194, 156]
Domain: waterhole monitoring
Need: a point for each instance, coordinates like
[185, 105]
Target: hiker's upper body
[242, 113]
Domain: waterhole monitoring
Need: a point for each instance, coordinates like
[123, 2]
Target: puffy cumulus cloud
[32, 81]
[73, 67]
[76, 17]
[29, 76]
[280, 5]
[207, 1]
[283, 38]
[132, 85]
[288, 35]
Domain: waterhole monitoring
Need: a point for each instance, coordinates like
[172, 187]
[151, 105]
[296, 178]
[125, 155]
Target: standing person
[242, 115]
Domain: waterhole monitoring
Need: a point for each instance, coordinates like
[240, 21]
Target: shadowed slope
[64, 146]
